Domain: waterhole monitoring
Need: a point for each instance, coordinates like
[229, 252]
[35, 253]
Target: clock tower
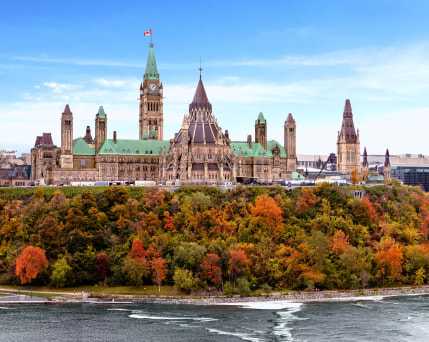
[151, 101]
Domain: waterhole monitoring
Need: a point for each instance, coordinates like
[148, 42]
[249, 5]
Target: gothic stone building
[200, 152]
[348, 143]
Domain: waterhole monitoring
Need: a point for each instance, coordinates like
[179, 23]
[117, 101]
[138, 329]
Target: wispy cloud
[110, 83]
[79, 61]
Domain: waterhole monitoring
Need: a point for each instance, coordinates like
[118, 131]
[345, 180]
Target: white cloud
[110, 83]
[59, 88]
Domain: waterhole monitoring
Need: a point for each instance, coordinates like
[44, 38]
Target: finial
[200, 69]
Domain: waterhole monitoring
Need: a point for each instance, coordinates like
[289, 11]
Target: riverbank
[293, 297]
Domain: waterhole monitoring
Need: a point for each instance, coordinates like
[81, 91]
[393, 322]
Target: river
[364, 319]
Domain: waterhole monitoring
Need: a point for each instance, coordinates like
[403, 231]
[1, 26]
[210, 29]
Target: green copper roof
[261, 118]
[81, 148]
[257, 150]
[101, 112]
[296, 175]
[152, 133]
[144, 135]
[151, 69]
[134, 147]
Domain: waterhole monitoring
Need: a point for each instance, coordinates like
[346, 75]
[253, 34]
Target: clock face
[152, 87]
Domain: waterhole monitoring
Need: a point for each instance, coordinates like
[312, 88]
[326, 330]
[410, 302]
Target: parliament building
[200, 152]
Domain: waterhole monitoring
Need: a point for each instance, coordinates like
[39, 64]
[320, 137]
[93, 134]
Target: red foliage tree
[102, 265]
[210, 268]
[137, 250]
[168, 221]
[159, 271]
[29, 263]
[237, 263]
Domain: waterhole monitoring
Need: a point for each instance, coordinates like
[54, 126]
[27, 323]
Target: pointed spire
[200, 98]
[67, 110]
[261, 118]
[290, 119]
[365, 158]
[151, 72]
[348, 127]
[185, 123]
[347, 110]
[101, 113]
[387, 159]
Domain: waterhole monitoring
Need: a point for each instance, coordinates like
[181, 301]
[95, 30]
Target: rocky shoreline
[295, 297]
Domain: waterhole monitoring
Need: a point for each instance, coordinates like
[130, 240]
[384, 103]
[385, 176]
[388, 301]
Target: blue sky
[275, 57]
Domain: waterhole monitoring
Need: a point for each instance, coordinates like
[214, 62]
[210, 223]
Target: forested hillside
[200, 237]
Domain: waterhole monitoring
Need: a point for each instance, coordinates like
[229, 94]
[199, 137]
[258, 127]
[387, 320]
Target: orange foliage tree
[339, 242]
[306, 200]
[389, 260]
[159, 271]
[238, 263]
[29, 263]
[267, 209]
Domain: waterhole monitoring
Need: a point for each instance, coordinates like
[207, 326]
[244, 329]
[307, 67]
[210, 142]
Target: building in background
[199, 153]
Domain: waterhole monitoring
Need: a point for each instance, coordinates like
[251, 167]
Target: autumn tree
[237, 263]
[389, 260]
[269, 212]
[354, 177]
[339, 242]
[305, 201]
[159, 271]
[30, 263]
[211, 270]
[102, 265]
[137, 249]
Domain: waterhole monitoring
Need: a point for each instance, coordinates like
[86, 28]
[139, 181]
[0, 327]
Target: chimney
[227, 134]
[114, 137]
[249, 141]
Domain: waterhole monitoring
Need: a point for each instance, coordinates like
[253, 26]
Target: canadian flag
[148, 33]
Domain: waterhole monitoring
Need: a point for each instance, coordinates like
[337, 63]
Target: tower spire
[200, 69]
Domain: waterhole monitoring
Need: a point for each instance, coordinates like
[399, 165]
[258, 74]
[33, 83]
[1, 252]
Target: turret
[261, 130]
[100, 128]
[67, 138]
[290, 142]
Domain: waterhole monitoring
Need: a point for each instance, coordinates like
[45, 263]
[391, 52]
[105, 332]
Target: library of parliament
[200, 153]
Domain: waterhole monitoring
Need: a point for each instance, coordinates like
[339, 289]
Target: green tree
[184, 279]
[135, 269]
[243, 287]
[60, 271]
